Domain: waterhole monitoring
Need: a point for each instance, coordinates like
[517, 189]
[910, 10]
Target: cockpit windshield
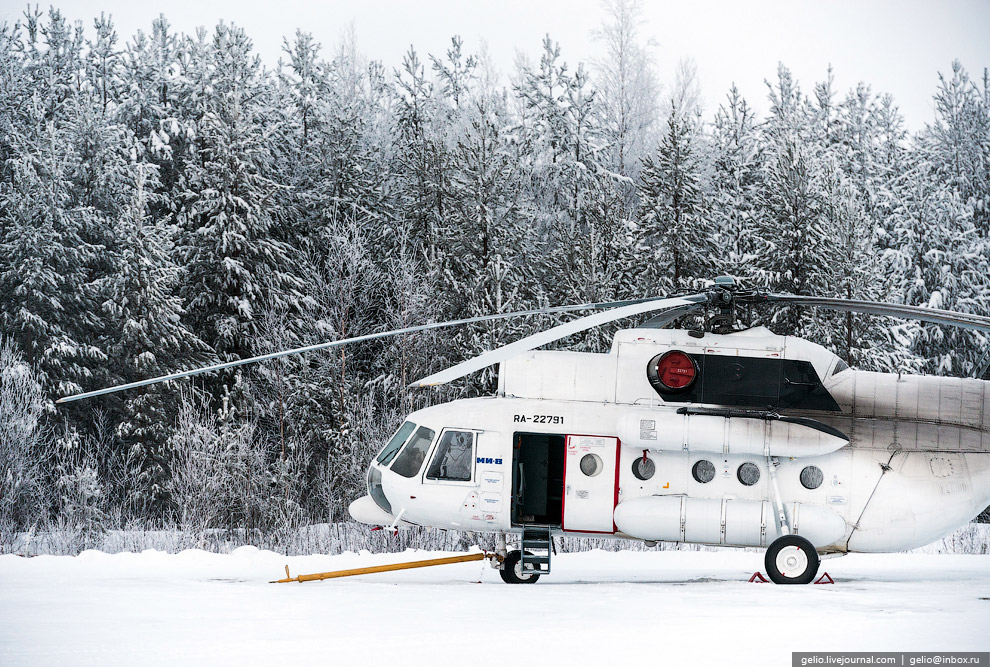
[411, 459]
[400, 437]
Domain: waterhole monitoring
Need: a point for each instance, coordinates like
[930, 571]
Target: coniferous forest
[167, 201]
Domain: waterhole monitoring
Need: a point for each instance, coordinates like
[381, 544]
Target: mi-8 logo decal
[482, 459]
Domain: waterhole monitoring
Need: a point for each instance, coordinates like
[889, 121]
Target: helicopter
[717, 436]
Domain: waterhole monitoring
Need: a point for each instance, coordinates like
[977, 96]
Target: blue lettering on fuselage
[482, 459]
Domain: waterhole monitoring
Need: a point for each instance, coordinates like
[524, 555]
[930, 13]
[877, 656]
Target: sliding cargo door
[591, 483]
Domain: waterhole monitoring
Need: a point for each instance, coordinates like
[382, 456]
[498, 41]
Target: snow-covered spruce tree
[736, 157]
[940, 261]
[105, 149]
[542, 132]
[455, 73]
[104, 142]
[550, 155]
[891, 157]
[421, 197]
[17, 93]
[233, 263]
[493, 255]
[673, 233]
[301, 151]
[957, 145]
[52, 56]
[23, 447]
[102, 180]
[103, 64]
[561, 151]
[608, 253]
[958, 142]
[858, 144]
[861, 341]
[148, 339]
[46, 304]
[483, 182]
[941, 251]
[595, 207]
[823, 113]
[866, 149]
[890, 137]
[162, 105]
[798, 243]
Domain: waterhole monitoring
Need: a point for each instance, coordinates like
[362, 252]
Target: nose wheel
[791, 559]
[511, 570]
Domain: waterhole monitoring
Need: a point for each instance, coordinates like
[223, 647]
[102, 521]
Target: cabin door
[591, 483]
[538, 478]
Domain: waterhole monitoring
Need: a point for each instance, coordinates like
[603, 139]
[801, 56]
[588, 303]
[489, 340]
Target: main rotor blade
[556, 333]
[934, 315]
[348, 341]
[661, 320]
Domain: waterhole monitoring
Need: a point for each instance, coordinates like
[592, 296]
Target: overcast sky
[895, 46]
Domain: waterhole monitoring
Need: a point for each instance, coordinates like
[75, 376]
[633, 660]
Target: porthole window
[748, 474]
[591, 464]
[812, 477]
[703, 471]
[643, 468]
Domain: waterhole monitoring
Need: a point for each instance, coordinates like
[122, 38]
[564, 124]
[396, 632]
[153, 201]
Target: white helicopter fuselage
[588, 445]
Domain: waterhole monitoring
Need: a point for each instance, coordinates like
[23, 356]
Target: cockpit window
[454, 457]
[840, 366]
[410, 460]
[388, 453]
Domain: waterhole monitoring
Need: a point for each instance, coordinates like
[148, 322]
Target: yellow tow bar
[319, 576]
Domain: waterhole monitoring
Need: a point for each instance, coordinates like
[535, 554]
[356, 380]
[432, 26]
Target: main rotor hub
[723, 297]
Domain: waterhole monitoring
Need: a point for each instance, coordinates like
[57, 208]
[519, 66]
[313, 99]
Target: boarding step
[536, 550]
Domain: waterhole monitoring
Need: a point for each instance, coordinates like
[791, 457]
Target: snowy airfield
[670, 607]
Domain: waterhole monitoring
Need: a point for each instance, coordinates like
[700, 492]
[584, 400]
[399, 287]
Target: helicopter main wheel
[791, 559]
[511, 570]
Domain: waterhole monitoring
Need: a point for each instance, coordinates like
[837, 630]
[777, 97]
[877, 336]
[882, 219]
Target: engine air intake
[672, 372]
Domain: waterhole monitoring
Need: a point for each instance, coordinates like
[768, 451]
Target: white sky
[895, 46]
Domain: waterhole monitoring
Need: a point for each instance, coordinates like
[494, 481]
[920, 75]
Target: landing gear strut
[791, 559]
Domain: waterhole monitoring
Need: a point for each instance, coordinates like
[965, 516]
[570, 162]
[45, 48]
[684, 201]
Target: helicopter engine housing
[727, 435]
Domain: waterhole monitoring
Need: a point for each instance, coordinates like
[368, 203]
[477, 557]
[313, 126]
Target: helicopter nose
[366, 510]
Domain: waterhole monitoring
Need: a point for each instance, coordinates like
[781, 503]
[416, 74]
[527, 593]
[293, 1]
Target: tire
[511, 570]
[791, 559]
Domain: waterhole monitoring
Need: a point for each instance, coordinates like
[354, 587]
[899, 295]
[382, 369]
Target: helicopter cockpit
[396, 478]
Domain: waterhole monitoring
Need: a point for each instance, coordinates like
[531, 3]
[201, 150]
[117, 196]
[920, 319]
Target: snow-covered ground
[672, 607]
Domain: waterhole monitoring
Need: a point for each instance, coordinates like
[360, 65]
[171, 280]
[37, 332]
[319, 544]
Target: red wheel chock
[758, 578]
